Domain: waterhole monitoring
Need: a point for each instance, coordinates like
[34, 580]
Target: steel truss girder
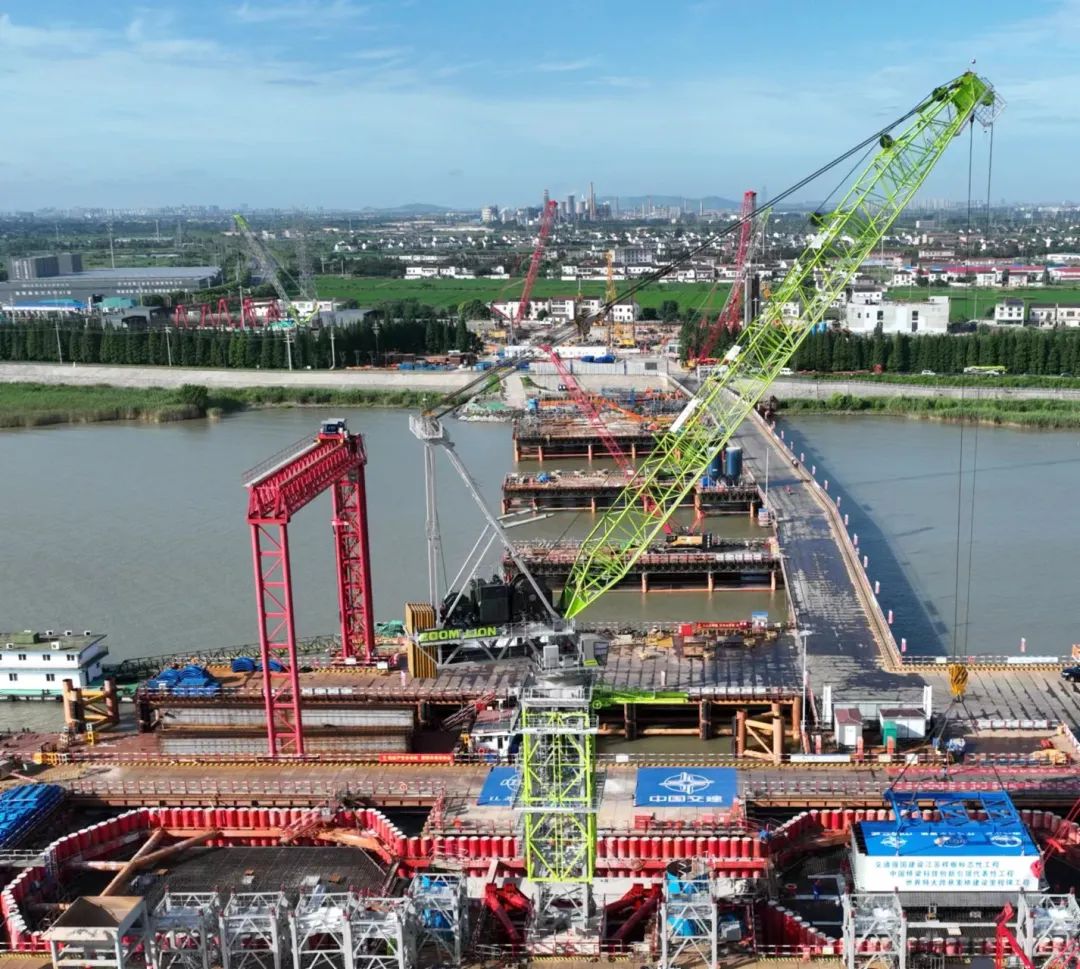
[379, 937]
[438, 910]
[689, 923]
[251, 930]
[848, 235]
[875, 931]
[1048, 930]
[562, 917]
[557, 795]
[184, 930]
[320, 931]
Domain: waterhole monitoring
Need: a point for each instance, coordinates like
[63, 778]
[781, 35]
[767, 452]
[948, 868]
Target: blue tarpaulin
[499, 788]
[659, 787]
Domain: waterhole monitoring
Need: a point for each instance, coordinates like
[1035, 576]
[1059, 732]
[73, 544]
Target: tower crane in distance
[844, 237]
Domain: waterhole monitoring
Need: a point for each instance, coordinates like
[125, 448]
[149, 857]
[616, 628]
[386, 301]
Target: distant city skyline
[347, 104]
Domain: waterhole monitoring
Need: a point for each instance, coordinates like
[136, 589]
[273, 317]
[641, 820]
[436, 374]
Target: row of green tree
[1020, 351]
[363, 343]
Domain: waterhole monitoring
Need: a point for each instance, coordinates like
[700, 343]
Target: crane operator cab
[333, 427]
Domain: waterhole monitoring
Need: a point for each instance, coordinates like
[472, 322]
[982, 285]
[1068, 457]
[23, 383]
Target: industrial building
[40, 279]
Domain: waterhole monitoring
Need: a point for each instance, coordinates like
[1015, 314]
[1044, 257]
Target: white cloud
[558, 67]
[311, 11]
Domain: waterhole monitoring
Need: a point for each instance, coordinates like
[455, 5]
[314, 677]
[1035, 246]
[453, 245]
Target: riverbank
[40, 405]
[1039, 414]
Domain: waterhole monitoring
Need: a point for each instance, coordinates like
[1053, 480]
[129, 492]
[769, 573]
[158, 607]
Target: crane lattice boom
[270, 270]
[846, 236]
[546, 221]
[730, 317]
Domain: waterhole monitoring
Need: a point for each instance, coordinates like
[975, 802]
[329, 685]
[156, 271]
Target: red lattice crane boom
[547, 219]
[334, 460]
[730, 318]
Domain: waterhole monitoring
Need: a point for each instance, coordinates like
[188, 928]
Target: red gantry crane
[333, 460]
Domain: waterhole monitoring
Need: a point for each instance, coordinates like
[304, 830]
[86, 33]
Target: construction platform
[594, 490]
[539, 440]
[728, 563]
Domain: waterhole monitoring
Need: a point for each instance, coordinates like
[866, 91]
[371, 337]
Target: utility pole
[333, 353]
[168, 346]
[288, 346]
[59, 351]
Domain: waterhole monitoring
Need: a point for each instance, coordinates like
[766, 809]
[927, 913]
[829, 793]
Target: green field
[978, 304]
[369, 290]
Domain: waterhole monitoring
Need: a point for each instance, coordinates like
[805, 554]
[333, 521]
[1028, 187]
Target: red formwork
[622, 848]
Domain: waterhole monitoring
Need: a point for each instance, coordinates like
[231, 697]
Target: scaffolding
[875, 931]
[251, 930]
[319, 927]
[183, 931]
[557, 796]
[378, 930]
[438, 911]
[689, 920]
[1048, 929]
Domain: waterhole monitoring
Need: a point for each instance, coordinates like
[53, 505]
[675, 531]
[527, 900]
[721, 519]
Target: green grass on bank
[1035, 414]
[38, 405]
[369, 290]
[35, 405]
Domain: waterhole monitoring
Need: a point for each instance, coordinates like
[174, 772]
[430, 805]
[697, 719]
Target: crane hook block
[958, 680]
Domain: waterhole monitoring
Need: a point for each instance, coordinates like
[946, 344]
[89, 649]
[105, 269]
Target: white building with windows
[34, 664]
[1057, 314]
[1010, 312]
[928, 316]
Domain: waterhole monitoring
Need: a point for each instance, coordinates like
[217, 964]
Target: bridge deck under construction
[594, 490]
[539, 440]
[748, 564]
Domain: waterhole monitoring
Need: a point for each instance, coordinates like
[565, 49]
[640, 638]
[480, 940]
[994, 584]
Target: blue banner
[659, 787]
[500, 787]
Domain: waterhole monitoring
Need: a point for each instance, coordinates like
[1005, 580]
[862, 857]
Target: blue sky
[460, 102]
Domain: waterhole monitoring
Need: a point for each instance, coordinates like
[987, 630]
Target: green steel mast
[845, 237]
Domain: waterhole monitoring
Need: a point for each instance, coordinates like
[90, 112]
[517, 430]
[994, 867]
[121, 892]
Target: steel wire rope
[456, 398]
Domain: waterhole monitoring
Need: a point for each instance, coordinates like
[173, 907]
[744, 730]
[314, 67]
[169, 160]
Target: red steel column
[277, 637]
[351, 549]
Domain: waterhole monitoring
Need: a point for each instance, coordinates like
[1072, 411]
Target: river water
[900, 482]
[139, 530]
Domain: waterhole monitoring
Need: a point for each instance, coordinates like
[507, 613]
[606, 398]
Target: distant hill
[709, 202]
[411, 208]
